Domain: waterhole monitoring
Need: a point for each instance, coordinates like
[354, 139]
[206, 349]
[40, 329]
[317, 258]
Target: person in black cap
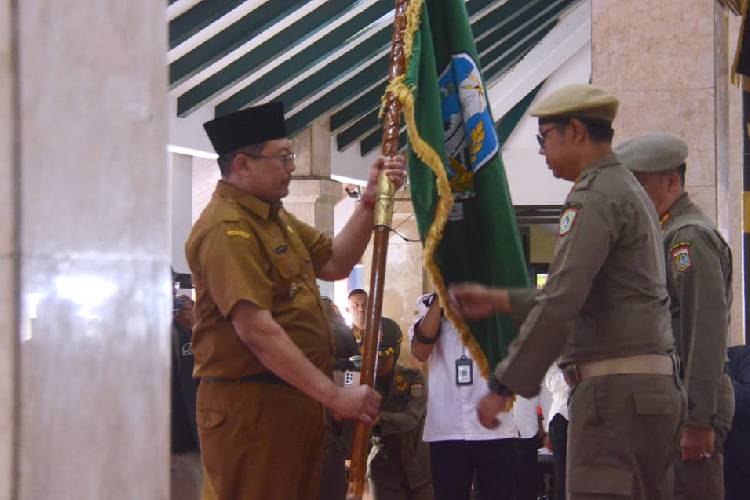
[399, 461]
[185, 469]
[262, 341]
[339, 433]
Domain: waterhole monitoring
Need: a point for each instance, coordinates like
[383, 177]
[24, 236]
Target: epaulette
[584, 182]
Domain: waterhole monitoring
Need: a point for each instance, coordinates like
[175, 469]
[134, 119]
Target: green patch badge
[681, 257]
[567, 219]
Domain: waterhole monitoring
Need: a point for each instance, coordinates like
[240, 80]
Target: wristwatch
[497, 387]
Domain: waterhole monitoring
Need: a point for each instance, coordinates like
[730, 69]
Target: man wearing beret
[399, 462]
[262, 342]
[699, 272]
[604, 311]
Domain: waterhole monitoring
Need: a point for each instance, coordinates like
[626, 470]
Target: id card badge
[464, 371]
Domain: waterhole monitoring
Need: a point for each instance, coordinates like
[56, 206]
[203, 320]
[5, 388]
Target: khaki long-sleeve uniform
[260, 438]
[605, 298]
[399, 462]
[699, 275]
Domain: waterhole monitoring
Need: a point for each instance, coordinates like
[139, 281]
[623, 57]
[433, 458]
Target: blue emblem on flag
[469, 132]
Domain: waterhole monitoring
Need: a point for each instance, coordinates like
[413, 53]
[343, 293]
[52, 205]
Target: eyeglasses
[542, 136]
[284, 159]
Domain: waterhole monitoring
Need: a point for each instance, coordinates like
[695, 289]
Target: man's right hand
[357, 403]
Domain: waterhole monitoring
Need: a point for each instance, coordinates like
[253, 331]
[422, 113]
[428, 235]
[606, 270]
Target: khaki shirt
[699, 279]
[605, 296]
[242, 248]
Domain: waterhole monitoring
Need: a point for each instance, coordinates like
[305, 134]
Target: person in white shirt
[460, 447]
[556, 425]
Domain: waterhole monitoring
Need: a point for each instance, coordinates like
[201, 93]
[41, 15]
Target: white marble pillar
[667, 63]
[84, 251]
[8, 249]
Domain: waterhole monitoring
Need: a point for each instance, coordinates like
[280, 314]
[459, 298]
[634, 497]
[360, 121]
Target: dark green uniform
[399, 462]
[699, 276]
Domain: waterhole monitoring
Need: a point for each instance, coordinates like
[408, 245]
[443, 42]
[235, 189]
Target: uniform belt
[260, 378]
[651, 364]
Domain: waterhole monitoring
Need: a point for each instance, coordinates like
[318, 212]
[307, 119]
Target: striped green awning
[322, 58]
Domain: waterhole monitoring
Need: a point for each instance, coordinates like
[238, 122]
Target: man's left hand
[395, 170]
[697, 443]
[489, 406]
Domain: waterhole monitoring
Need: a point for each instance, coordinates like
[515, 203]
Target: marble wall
[667, 63]
[180, 208]
[8, 172]
[88, 240]
[405, 280]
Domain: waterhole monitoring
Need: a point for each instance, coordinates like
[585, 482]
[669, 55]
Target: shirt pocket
[288, 267]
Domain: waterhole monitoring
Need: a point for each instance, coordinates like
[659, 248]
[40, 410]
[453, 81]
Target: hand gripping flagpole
[382, 229]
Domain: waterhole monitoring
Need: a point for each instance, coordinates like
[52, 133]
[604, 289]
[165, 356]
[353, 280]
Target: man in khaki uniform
[262, 342]
[358, 308]
[604, 310]
[699, 277]
[399, 462]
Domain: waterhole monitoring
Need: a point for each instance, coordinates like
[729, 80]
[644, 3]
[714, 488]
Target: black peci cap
[246, 127]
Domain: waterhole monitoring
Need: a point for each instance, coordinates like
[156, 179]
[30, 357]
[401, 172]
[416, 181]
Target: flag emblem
[469, 131]
[681, 258]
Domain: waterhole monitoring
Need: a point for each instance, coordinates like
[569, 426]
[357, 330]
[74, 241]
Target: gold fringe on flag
[431, 158]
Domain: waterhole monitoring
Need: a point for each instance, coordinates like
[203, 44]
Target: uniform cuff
[702, 403]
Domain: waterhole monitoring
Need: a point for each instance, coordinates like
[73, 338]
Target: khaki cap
[652, 152]
[577, 101]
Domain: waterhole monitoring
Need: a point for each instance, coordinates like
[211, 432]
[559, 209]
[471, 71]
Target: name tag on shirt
[464, 371]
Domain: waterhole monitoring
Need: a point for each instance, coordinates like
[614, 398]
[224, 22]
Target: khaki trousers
[622, 437]
[259, 442]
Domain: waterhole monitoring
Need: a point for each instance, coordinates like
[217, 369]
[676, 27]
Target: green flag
[458, 184]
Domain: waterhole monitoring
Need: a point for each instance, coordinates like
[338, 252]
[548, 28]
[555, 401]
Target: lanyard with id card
[464, 370]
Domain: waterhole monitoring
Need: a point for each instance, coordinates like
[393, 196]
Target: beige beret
[577, 101]
[652, 152]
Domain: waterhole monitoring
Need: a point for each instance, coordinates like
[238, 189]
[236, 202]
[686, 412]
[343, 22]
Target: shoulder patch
[680, 256]
[238, 232]
[568, 218]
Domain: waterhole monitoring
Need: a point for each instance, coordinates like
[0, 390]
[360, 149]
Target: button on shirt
[452, 409]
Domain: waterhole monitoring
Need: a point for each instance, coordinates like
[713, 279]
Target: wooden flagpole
[382, 229]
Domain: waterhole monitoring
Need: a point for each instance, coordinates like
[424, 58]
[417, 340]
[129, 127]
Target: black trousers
[526, 476]
[558, 436]
[455, 463]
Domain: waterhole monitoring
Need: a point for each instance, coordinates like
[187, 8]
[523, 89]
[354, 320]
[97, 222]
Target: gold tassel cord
[431, 158]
